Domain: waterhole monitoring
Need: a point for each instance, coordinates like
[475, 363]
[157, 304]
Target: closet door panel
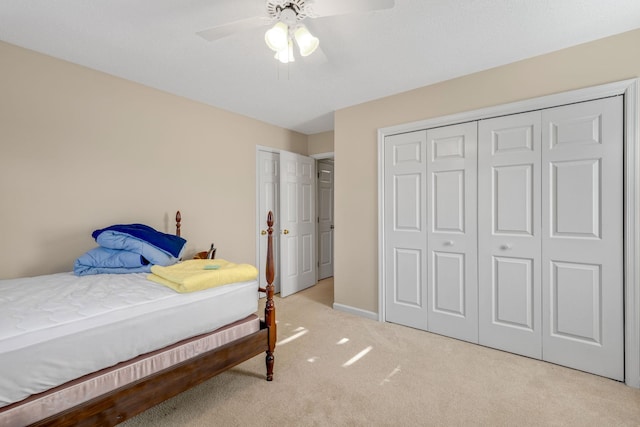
[405, 229]
[513, 292]
[574, 188]
[449, 281]
[582, 256]
[512, 191]
[451, 231]
[448, 196]
[509, 233]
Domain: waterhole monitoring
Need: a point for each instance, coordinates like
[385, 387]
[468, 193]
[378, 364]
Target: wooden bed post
[270, 309]
[178, 220]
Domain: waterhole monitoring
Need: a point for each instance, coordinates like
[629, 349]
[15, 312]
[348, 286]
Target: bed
[99, 349]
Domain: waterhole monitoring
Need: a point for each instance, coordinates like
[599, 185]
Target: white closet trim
[630, 89]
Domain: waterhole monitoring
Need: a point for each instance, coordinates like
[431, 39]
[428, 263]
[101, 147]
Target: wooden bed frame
[125, 402]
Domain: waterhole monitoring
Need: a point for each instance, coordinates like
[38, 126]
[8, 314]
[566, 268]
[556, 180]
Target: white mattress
[59, 327]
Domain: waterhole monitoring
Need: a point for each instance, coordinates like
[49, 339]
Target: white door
[325, 219]
[268, 200]
[582, 247]
[549, 229]
[509, 233]
[405, 240]
[452, 285]
[297, 223]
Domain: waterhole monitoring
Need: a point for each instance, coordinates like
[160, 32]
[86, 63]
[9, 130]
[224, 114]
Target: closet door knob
[505, 246]
[448, 243]
[285, 231]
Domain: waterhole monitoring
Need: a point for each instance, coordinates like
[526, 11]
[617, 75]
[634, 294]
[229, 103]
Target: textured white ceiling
[364, 56]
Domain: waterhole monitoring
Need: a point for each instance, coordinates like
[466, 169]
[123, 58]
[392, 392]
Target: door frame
[630, 90]
[259, 215]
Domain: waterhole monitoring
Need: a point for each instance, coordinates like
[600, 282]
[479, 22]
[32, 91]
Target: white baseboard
[357, 311]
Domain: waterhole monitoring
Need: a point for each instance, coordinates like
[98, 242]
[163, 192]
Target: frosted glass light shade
[277, 38]
[306, 41]
[286, 55]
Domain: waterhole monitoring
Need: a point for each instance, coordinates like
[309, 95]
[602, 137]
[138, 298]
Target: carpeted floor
[337, 369]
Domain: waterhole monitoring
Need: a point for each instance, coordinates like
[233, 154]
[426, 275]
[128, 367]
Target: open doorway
[325, 222]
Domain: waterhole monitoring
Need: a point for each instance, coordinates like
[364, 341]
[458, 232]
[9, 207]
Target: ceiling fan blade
[342, 7]
[225, 30]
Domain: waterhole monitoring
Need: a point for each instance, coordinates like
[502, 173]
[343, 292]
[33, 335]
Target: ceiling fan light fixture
[305, 40]
[286, 55]
[277, 37]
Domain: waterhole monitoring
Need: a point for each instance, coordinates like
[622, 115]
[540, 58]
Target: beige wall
[320, 143]
[356, 187]
[81, 150]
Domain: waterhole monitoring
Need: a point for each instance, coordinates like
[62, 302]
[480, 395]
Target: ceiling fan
[286, 16]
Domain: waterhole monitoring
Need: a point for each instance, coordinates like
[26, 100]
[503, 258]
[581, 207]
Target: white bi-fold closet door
[431, 242]
[508, 232]
[551, 231]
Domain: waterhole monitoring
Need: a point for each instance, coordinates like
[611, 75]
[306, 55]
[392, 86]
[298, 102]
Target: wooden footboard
[123, 403]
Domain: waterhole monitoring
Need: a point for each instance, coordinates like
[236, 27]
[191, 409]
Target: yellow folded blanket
[198, 274]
